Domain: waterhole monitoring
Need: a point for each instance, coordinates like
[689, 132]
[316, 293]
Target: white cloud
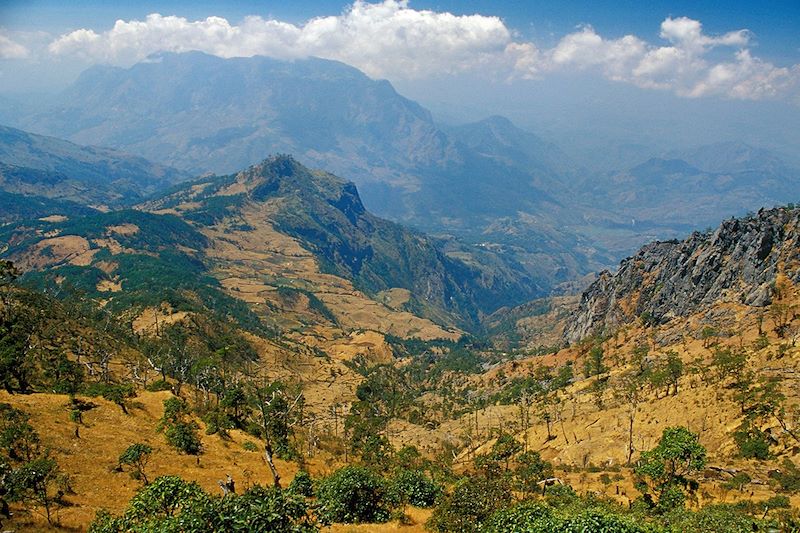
[10, 49]
[381, 39]
[391, 39]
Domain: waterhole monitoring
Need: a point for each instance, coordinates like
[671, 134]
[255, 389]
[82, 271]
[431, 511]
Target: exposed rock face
[738, 263]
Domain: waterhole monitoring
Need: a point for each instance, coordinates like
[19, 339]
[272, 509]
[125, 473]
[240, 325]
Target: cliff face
[737, 263]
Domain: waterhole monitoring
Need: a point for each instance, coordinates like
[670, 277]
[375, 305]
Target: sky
[544, 62]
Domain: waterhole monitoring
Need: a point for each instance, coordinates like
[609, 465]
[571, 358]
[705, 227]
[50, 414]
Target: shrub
[179, 433]
[752, 442]
[172, 504]
[526, 516]
[250, 446]
[183, 436]
[788, 477]
[352, 494]
[470, 505]
[414, 488]
[302, 484]
[158, 386]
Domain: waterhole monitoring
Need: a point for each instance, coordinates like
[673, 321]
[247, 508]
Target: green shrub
[470, 505]
[183, 437]
[250, 446]
[158, 386]
[523, 517]
[352, 494]
[752, 442]
[137, 455]
[170, 504]
[414, 488]
[787, 477]
[302, 484]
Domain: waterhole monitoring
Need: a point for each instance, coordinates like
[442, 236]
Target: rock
[737, 263]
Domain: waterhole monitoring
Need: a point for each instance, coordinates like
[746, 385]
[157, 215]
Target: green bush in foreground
[353, 494]
[170, 504]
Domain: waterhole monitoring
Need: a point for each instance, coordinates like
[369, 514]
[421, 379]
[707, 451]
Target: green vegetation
[353, 494]
[137, 455]
[29, 474]
[179, 432]
[172, 504]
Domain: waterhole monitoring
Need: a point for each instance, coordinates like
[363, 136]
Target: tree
[8, 274]
[38, 482]
[415, 488]
[31, 475]
[629, 391]
[137, 455]
[666, 469]
[673, 369]
[276, 414]
[594, 365]
[530, 470]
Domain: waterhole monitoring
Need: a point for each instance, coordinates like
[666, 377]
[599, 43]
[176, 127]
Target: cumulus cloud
[682, 66]
[10, 49]
[391, 39]
[380, 39]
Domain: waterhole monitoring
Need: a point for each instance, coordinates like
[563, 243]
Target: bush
[137, 455]
[788, 477]
[752, 442]
[180, 434]
[172, 504]
[352, 494]
[302, 484]
[183, 436]
[470, 505]
[716, 518]
[112, 392]
[414, 488]
[526, 516]
[250, 446]
[218, 422]
[158, 386]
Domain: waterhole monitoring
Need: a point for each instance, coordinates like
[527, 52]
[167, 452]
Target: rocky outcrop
[737, 263]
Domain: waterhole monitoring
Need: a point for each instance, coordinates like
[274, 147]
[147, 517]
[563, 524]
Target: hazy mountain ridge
[202, 113]
[488, 182]
[35, 165]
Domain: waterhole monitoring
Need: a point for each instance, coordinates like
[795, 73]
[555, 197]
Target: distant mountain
[499, 138]
[489, 183]
[716, 184]
[54, 169]
[203, 113]
[733, 157]
[737, 263]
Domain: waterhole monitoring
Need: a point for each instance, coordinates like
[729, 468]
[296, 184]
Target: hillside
[738, 263]
[235, 232]
[57, 170]
[721, 365]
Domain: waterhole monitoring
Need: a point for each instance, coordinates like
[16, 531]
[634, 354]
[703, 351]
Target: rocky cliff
[739, 263]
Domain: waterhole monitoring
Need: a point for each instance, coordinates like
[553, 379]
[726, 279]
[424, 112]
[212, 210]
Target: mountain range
[488, 183]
